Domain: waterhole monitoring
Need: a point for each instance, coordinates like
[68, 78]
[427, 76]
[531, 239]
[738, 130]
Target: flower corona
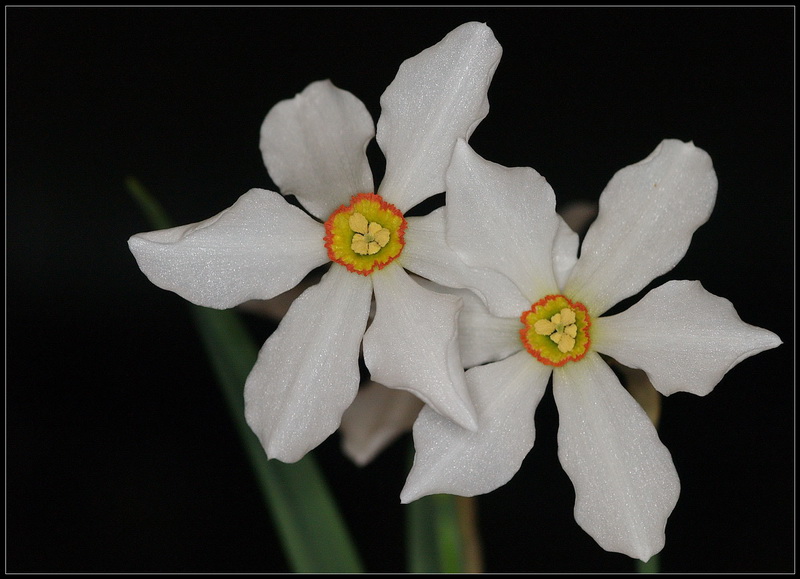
[365, 235]
[556, 330]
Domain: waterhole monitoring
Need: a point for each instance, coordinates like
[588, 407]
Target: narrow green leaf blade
[314, 536]
[313, 533]
[149, 205]
[435, 542]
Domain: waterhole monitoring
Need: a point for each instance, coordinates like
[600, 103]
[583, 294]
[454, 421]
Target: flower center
[365, 235]
[556, 330]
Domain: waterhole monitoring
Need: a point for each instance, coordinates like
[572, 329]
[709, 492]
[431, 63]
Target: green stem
[653, 565]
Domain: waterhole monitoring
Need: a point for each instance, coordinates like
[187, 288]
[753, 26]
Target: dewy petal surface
[436, 97]
[684, 337]
[450, 459]
[307, 373]
[375, 419]
[503, 219]
[412, 344]
[427, 254]
[482, 336]
[648, 213]
[625, 483]
[258, 248]
[314, 147]
[565, 252]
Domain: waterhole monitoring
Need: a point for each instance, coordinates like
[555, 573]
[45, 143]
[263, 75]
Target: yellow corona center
[556, 330]
[365, 235]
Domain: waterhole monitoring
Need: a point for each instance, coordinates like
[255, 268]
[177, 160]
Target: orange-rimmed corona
[556, 330]
[365, 235]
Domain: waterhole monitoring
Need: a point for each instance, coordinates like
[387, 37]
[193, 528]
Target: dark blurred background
[120, 454]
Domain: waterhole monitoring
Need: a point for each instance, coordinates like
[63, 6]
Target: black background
[121, 456]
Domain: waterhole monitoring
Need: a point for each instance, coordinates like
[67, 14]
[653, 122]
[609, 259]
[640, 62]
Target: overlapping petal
[307, 373]
[647, 216]
[684, 337]
[625, 483]
[450, 459]
[427, 254]
[565, 252]
[482, 336]
[256, 249]
[436, 97]
[314, 147]
[503, 219]
[412, 344]
[377, 417]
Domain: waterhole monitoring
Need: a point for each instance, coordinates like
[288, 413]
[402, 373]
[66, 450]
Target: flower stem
[653, 565]
[468, 523]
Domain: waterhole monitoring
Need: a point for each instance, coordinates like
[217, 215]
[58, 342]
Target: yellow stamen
[544, 327]
[369, 237]
[358, 223]
[565, 344]
[561, 328]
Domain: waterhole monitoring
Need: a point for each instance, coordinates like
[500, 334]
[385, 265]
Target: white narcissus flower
[379, 415]
[314, 147]
[682, 336]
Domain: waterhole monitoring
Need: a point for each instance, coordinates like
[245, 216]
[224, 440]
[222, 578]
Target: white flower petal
[307, 373]
[684, 337]
[256, 249]
[275, 308]
[648, 213]
[450, 459]
[427, 254]
[412, 344]
[625, 483]
[314, 147]
[641, 388]
[482, 336]
[503, 219]
[377, 417]
[565, 252]
[436, 97]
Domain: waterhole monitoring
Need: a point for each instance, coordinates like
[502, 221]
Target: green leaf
[312, 531]
[442, 536]
[434, 544]
[149, 205]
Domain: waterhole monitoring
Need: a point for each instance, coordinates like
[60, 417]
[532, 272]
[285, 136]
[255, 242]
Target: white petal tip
[468, 418]
[282, 453]
[360, 459]
[464, 415]
[408, 496]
